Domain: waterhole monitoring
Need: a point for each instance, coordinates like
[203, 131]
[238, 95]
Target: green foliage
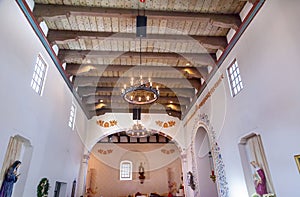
[43, 188]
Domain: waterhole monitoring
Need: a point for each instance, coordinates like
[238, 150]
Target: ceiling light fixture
[138, 130]
[140, 92]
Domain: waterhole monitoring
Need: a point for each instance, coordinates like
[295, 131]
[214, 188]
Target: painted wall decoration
[105, 152]
[210, 92]
[207, 96]
[167, 152]
[219, 166]
[166, 124]
[107, 124]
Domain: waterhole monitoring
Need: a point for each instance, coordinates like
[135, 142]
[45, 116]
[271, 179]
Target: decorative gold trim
[105, 152]
[107, 124]
[168, 124]
[207, 96]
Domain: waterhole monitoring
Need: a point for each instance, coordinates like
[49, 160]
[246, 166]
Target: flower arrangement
[269, 195]
[265, 195]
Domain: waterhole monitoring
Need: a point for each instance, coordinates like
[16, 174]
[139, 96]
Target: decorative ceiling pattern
[98, 45]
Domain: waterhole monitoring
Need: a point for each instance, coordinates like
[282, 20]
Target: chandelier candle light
[138, 130]
[141, 92]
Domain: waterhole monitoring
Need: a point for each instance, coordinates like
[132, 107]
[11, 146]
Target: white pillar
[82, 175]
[184, 171]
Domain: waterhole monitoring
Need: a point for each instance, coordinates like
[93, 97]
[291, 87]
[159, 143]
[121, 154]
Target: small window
[72, 116]
[234, 77]
[39, 75]
[126, 170]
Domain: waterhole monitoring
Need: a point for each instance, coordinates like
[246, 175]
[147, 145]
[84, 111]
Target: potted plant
[43, 188]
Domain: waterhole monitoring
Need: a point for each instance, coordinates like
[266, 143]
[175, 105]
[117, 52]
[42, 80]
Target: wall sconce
[212, 176]
[142, 173]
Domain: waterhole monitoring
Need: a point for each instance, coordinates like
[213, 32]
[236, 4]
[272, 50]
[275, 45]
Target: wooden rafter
[122, 110]
[102, 53]
[208, 42]
[197, 59]
[155, 138]
[250, 1]
[98, 69]
[174, 107]
[85, 91]
[219, 20]
[119, 81]
[94, 99]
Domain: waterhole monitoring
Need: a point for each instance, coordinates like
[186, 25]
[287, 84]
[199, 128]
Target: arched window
[126, 170]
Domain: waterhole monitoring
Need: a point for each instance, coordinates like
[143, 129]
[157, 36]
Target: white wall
[268, 57]
[42, 119]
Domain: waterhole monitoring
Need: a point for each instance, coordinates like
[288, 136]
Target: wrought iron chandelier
[140, 92]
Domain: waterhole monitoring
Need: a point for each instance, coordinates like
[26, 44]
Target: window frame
[234, 78]
[38, 79]
[129, 172]
[72, 116]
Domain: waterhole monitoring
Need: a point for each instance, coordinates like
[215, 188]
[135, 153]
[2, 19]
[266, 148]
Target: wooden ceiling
[98, 44]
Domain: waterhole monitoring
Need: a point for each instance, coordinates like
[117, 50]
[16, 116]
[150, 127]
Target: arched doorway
[116, 160]
[207, 187]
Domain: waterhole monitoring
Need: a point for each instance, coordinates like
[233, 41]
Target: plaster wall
[267, 55]
[43, 120]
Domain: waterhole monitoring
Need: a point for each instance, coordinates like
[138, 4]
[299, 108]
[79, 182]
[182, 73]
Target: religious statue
[10, 178]
[141, 172]
[259, 179]
[190, 180]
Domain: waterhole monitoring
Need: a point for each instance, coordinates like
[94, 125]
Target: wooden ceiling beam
[250, 1]
[154, 106]
[195, 58]
[91, 91]
[95, 99]
[119, 81]
[55, 11]
[102, 111]
[98, 69]
[63, 37]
